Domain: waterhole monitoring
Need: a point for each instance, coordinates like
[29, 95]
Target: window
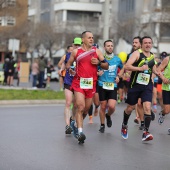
[10, 21]
[164, 30]
[165, 3]
[7, 21]
[45, 4]
[45, 17]
[9, 3]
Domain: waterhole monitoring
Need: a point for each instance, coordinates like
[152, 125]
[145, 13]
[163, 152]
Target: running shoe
[102, 129]
[136, 120]
[81, 137]
[124, 131]
[68, 129]
[161, 118]
[74, 128]
[153, 115]
[147, 136]
[109, 121]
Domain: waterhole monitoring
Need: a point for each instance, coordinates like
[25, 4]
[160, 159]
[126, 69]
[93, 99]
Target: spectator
[11, 70]
[5, 68]
[42, 66]
[18, 71]
[50, 68]
[35, 71]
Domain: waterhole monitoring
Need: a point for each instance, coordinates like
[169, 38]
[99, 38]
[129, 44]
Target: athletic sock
[147, 121]
[142, 123]
[80, 130]
[96, 106]
[126, 118]
[90, 110]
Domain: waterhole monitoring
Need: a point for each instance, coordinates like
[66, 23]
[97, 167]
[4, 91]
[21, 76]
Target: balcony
[77, 27]
[78, 6]
[155, 17]
[85, 1]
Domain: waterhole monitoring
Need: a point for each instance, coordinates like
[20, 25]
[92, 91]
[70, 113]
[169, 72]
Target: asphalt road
[32, 138]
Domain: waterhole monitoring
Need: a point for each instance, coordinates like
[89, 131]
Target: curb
[30, 102]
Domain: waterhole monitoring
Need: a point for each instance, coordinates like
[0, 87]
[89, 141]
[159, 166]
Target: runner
[87, 59]
[62, 74]
[165, 65]
[107, 82]
[138, 108]
[96, 101]
[67, 90]
[159, 83]
[141, 64]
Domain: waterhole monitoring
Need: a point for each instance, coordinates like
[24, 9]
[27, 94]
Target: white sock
[80, 130]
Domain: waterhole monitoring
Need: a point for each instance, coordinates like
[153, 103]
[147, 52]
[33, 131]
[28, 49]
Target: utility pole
[106, 13]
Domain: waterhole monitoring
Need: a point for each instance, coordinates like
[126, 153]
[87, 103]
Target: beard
[109, 52]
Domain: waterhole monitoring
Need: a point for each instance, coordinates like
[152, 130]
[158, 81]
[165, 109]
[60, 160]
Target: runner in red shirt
[87, 59]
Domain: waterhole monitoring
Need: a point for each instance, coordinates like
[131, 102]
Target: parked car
[54, 75]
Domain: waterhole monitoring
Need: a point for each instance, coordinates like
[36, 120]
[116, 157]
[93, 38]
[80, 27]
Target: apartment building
[13, 16]
[63, 14]
[146, 17]
[68, 17]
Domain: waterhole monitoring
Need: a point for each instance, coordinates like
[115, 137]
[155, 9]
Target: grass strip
[13, 94]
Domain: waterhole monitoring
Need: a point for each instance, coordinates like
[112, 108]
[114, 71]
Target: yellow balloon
[122, 56]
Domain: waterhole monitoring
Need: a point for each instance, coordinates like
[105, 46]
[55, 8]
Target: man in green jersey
[165, 65]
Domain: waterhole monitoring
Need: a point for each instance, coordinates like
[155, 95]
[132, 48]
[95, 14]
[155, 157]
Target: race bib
[86, 83]
[108, 86]
[143, 78]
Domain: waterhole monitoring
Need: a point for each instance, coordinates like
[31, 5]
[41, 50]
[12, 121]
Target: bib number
[86, 83]
[108, 86]
[143, 78]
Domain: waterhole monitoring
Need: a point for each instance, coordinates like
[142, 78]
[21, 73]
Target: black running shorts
[139, 91]
[166, 97]
[107, 94]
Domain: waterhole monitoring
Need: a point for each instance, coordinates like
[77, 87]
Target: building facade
[13, 18]
[67, 16]
[145, 17]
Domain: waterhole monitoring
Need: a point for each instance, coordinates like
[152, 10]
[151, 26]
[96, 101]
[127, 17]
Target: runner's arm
[102, 61]
[61, 61]
[162, 67]
[63, 66]
[71, 59]
[129, 65]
